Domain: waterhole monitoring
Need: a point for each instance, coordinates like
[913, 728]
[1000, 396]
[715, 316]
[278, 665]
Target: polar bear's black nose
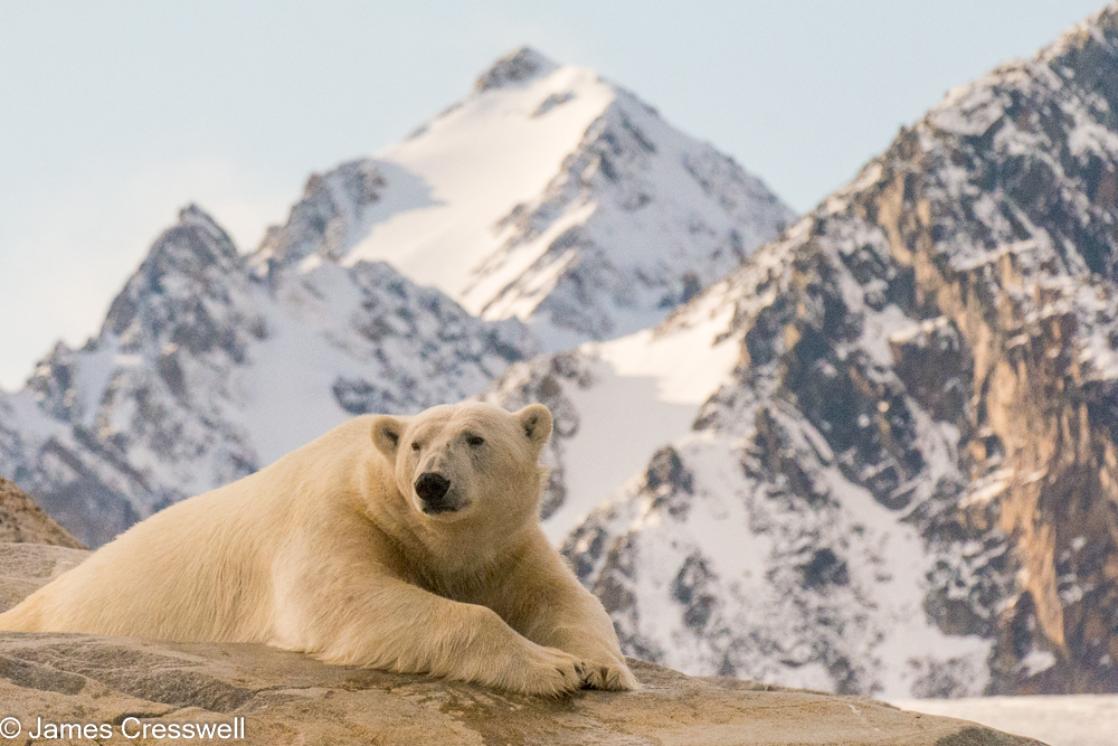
[431, 486]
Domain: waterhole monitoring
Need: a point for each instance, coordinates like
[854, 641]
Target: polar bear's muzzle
[435, 495]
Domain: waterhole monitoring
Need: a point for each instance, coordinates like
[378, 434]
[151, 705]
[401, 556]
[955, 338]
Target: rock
[290, 698]
[21, 520]
[25, 567]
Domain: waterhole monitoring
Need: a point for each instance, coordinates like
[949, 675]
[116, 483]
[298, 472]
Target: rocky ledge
[289, 698]
[22, 520]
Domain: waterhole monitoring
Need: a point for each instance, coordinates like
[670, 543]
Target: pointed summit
[193, 216]
[550, 195]
[187, 262]
[324, 218]
[196, 242]
[518, 66]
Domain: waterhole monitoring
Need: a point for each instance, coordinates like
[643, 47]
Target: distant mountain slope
[203, 372]
[896, 471]
[21, 520]
[547, 194]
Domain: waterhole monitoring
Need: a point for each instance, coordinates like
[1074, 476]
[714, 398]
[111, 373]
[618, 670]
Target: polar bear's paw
[547, 672]
[610, 675]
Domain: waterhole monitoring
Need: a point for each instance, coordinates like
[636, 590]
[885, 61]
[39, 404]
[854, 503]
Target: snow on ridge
[555, 197]
[638, 220]
[478, 161]
[646, 391]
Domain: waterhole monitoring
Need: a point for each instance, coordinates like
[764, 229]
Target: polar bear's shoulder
[354, 436]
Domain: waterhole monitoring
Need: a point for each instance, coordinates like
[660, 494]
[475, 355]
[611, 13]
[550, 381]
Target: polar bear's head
[471, 459]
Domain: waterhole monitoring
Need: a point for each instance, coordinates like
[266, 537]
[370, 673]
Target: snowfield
[1073, 720]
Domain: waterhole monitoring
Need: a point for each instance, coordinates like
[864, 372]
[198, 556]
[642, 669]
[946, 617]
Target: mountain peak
[192, 212]
[518, 66]
[549, 195]
[188, 260]
[1083, 57]
[196, 234]
[1102, 26]
[192, 216]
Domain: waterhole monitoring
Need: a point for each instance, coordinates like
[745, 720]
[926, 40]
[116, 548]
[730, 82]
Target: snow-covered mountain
[881, 456]
[548, 194]
[204, 372]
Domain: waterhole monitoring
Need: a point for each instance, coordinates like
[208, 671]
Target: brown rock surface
[290, 698]
[21, 520]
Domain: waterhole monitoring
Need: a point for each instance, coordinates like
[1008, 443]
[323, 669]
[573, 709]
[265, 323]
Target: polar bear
[410, 544]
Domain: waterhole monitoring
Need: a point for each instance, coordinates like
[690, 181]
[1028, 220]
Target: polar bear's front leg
[574, 621]
[388, 624]
[544, 601]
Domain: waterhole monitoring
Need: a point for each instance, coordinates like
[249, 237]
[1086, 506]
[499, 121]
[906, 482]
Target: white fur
[328, 551]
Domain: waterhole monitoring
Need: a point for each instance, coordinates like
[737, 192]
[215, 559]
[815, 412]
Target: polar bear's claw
[613, 676]
[550, 673]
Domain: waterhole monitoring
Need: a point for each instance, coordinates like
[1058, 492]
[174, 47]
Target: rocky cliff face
[902, 479]
[290, 698]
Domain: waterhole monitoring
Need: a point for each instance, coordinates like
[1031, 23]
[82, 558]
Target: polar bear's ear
[535, 419]
[386, 434]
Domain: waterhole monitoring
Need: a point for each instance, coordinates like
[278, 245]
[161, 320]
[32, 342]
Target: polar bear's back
[201, 568]
[174, 576]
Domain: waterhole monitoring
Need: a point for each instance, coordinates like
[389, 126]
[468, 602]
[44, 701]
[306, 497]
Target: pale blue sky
[114, 114]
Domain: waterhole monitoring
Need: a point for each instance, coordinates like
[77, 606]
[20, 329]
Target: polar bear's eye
[475, 440]
[415, 447]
